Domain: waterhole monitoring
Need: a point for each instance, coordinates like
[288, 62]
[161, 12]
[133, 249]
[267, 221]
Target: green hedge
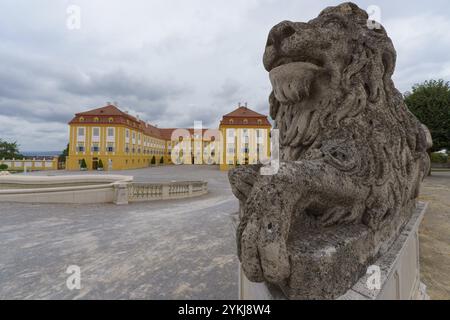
[3, 167]
[439, 157]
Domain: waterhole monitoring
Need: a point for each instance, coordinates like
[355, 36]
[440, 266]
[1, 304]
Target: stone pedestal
[399, 272]
[120, 193]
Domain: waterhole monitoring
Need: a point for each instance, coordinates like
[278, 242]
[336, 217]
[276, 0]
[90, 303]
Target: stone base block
[397, 271]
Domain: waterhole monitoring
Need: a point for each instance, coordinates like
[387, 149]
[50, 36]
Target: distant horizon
[40, 153]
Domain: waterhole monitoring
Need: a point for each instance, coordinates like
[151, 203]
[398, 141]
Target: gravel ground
[434, 236]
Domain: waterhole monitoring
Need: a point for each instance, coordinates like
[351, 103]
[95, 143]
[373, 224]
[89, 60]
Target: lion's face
[298, 54]
[315, 64]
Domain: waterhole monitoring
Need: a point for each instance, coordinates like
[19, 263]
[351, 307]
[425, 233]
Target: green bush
[100, 164]
[3, 167]
[153, 160]
[83, 164]
[439, 157]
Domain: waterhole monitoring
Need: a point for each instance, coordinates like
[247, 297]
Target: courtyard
[153, 250]
[183, 249]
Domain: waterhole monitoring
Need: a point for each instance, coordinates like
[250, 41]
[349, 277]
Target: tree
[83, 164]
[100, 164]
[9, 150]
[153, 160]
[64, 154]
[430, 103]
[161, 161]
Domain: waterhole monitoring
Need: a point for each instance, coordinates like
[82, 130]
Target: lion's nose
[279, 32]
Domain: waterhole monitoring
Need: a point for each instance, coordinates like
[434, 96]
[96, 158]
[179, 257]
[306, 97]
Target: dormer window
[245, 121]
[259, 121]
[96, 119]
[110, 120]
[81, 119]
[231, 121]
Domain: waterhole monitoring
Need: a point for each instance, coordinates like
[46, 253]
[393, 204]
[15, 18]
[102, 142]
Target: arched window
[96, 119]
[245, 121]
[81, 119]
[111, 120]
[259, 121]
[231, 121]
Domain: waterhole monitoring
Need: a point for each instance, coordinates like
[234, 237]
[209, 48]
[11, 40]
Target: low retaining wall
[31, 164]
[93, 189]
[60, 189]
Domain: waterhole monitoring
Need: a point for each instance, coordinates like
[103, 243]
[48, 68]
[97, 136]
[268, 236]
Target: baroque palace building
[111, 139]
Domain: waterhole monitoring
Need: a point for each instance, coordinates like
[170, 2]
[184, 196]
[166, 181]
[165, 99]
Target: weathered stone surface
[352, 158]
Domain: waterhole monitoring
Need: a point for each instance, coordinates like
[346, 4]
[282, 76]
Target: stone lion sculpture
[352, 158]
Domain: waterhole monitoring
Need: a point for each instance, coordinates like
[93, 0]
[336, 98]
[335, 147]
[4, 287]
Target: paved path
[435, 236]
[154, 250]
[162, 250]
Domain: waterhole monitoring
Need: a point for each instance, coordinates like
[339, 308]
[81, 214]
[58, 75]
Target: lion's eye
[332, 24]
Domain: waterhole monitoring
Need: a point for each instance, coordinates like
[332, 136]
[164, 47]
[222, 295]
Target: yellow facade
[112, 146]
[109, 139]
[244, 144]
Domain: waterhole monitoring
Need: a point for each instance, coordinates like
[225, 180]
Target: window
[96, 119]
[259, 121]
[230, 148]
[127, 133]
[95, 147]
[81, 132]
[230, 133]
[110, 132]
[111, 120]
[81, 119]
[96, 132]
[80, 147]
[245, 121]
[127, 148]
[110, 147]
[231, 121]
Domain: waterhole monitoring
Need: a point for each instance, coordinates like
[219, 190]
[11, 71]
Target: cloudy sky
[170, 61]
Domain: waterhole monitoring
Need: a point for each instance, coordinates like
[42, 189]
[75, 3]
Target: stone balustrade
[164, 191]
[93, 189]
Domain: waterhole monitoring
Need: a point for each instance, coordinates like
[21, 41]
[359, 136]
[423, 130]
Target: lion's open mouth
[287, 60]
[291, 81]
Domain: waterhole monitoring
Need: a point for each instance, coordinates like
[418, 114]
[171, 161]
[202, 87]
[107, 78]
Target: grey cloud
[170, 62]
